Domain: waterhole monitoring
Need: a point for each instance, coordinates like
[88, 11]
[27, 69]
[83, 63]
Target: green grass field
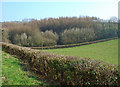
[105, 51]
[13, 74]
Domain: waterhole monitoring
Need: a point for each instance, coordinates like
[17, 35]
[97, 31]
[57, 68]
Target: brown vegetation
[57, 31]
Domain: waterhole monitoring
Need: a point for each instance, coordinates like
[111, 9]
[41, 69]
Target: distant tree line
[53, 31]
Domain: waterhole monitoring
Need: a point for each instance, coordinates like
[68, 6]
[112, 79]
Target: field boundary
[72, 45]
[66, 70]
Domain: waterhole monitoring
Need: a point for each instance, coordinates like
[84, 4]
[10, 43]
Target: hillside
[105, 51]
[59, 69]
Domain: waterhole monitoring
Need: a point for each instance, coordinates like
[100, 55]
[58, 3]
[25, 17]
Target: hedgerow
[67, 70]
[72, 45]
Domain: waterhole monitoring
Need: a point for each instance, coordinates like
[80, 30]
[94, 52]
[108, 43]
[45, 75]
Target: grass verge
[13, 74]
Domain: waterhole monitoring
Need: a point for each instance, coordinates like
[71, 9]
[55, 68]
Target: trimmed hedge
[66, 70]
[72, 45]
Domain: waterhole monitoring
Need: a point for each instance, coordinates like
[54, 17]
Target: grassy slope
[13, 74]
[105, 51]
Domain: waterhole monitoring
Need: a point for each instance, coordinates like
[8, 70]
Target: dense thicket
[63, 30]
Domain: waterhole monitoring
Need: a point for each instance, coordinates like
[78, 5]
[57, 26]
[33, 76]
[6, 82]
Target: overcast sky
[37, 9]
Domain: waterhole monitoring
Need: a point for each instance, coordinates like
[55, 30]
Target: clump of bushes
[29, 36]
[66, 70]
[77, 35]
